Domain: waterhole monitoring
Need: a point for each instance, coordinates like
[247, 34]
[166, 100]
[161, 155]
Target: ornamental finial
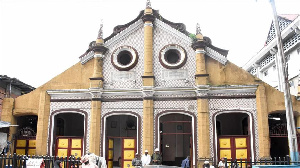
[100, 33]
[198, 30]
[148, 4]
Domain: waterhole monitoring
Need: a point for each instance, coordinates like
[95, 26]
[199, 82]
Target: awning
[4, 124]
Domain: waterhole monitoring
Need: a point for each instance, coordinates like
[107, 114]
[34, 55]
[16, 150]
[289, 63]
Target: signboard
[175, 74]
[123, 76]
[34, 163]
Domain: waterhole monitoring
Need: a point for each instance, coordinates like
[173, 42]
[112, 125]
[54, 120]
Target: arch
[51, 127]
[115, 113]
[251, 128]
[194, 128]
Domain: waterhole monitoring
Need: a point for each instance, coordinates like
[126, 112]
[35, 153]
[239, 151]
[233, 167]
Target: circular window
[124, 58]
[172, 56]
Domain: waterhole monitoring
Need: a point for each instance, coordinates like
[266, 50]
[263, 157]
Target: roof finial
[100, 33]
[148, 4]
[198, 30]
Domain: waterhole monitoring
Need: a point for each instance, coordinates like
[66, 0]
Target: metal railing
[244, 163]
[19, 161]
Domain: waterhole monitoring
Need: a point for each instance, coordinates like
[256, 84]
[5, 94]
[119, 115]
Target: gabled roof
[284, 20]
[121, 30]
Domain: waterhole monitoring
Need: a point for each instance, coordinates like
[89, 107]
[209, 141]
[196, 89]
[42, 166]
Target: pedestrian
[186, 162]
[206, 164]
[146, 158]
[221, 163]
[136, 161]
[57, 164]
[156, 158]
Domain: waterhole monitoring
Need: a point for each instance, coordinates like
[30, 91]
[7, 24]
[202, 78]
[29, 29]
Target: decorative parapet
[124, 33]
[215, 55]
[173, 31]
[86, 57]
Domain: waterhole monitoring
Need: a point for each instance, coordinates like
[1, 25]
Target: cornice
[215, 55]
[156, 93]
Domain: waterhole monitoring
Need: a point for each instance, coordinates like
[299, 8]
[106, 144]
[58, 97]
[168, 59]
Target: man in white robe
[146, 159]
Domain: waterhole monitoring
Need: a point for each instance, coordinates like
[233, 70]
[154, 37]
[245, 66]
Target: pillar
[201, 80]
[262, 119]
[7, 115]
[96, 86]
[42, 124]
[148, 81]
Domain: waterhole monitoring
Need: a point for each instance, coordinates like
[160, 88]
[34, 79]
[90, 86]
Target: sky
[39, 39]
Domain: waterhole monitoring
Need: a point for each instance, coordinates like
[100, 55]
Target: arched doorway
[176, 138]
[233, 136]
[121, 139]
[68, 132]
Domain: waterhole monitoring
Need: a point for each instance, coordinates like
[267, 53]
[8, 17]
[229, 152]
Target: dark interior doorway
[120, 129]
[279, 146]
[176, 142]
[233, 136]
[68, 134]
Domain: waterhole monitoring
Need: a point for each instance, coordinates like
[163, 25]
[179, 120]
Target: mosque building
[150, 84]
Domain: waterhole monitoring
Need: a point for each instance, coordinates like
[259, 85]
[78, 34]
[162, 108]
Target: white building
[263, 63]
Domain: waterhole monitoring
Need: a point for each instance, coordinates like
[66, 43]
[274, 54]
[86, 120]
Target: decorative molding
[215, 55]
[86, 57]
[124, 33]
[166, 27]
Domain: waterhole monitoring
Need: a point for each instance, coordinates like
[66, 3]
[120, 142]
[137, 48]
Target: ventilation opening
[124, 57]
[172, 56]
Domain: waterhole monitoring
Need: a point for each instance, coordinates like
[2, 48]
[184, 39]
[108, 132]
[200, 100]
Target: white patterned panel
[244, 105]
[81, 105]
[283, 23]
[186, 105]
[132, 106]
[162, 36]
[134, 39]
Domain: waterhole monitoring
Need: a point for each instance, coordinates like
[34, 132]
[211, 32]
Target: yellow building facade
[151, 84]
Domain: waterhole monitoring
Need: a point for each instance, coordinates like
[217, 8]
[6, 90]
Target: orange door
[110, 155]
[25, 146]
[67, 146]
[129, 150]
[235, 147]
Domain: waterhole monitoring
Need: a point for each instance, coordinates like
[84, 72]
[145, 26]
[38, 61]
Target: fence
[244, 163]
[19, 161]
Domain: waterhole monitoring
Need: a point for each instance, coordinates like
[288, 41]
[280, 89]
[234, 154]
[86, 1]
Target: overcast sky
[42, 38]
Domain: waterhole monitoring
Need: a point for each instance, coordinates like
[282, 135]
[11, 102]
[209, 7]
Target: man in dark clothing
[156, 158]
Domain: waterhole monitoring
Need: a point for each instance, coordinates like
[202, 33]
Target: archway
[121, 139]
[233, 136]
[68, 129]
[176, 138]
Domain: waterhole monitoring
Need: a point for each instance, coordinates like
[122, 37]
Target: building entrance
[68, 134]
[121, 140]
[176, 142]
[233, 136]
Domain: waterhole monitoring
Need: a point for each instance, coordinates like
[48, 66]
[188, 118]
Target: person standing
[156, 158]
[146, 159]
[57, 164]
[186, 162]
[136, 161]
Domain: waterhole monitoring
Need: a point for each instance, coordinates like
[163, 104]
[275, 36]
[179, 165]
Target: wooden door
[129, 150]
[67, 146]
[235, 147]
[110, 153]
